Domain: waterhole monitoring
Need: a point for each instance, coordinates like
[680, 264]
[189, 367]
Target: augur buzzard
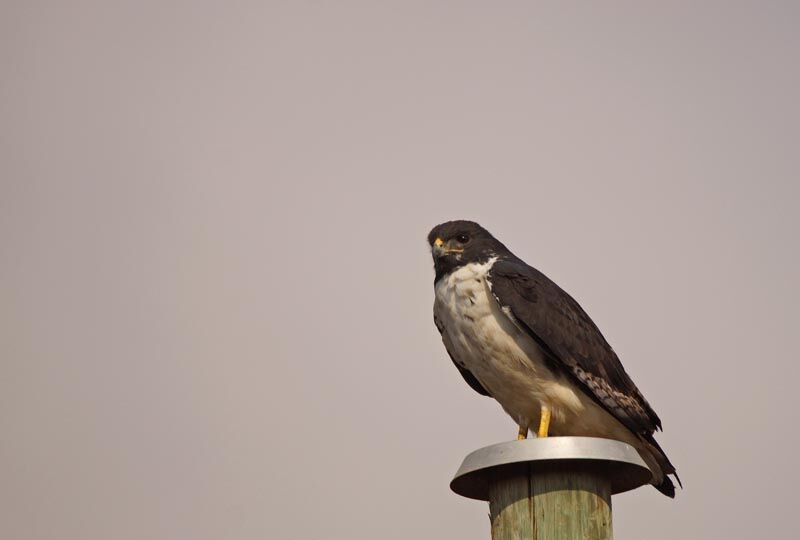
[519, 338]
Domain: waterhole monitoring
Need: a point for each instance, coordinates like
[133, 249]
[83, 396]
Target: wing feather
[571, 341]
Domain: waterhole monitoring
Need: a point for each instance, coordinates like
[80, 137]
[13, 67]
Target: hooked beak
[440, 248]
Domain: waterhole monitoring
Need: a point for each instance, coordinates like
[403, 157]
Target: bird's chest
[475, 330]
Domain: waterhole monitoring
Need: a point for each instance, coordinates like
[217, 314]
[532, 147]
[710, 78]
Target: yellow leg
[523, 433]
[544, 423]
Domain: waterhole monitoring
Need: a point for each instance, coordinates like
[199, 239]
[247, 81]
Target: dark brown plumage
[570, 342]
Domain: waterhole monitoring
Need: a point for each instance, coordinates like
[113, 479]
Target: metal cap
[615, 460]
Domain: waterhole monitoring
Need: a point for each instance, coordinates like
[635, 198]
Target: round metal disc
[615, 460]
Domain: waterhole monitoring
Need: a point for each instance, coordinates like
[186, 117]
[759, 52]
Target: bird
[517, 337]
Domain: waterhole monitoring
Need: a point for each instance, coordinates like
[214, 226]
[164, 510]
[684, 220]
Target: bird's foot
[544, 423]
[522, 434]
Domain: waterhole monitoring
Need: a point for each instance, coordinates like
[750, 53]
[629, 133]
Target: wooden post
[510, 505]
[557, 488]
[563, 504]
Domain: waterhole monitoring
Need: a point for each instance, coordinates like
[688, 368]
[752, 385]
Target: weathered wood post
[556, 488]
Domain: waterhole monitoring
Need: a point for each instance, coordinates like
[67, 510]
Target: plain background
[215, 291]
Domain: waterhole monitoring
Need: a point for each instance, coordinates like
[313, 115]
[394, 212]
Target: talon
[544, 423]
[522, 434]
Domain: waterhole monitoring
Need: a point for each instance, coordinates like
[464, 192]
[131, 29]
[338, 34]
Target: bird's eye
[462, 238]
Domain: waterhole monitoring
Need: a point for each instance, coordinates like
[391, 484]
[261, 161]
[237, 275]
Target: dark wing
[467, 374]
[571, 341]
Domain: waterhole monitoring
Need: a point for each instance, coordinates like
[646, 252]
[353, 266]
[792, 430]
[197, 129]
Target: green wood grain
[571, 505]
[558, 504]
[510, 507]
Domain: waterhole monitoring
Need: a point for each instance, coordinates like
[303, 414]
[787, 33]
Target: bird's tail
[662, 482]
[666, 487]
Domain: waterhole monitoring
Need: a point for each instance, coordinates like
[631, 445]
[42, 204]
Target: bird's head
[458, 243]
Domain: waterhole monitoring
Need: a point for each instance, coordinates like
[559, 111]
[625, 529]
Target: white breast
[486, 341]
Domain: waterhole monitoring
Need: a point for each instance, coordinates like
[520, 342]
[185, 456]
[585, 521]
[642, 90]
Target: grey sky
[215, 292]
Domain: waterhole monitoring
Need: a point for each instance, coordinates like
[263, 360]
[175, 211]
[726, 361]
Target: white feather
[483, 337]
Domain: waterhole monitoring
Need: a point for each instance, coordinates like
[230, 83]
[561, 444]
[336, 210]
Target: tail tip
[666, 487]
